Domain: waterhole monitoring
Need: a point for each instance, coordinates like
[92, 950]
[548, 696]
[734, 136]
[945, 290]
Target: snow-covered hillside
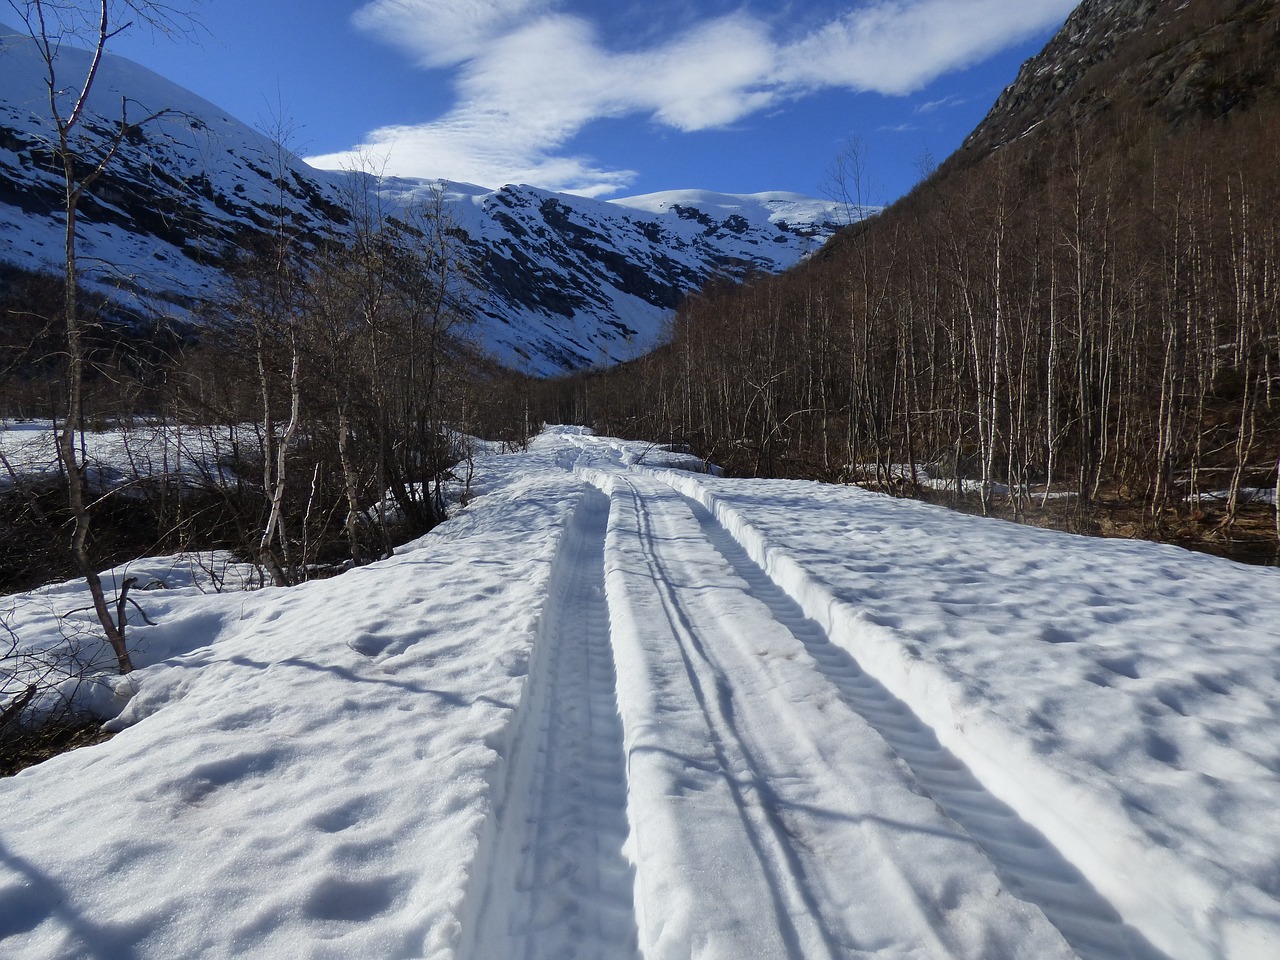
[563, 281]
[616, 710]
[177, 201]
[566, 281]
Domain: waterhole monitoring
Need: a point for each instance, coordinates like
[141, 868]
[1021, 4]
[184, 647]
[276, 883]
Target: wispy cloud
[440, 33]
[528, 77]
[932, 105]
[895, 47]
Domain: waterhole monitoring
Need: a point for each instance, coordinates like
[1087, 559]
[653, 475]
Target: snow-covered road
[612, 711]
[558, 884]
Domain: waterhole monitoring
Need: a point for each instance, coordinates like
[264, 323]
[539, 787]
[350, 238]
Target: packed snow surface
[613, 709]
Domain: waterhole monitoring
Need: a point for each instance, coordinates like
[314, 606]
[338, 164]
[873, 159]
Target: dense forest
[1088, 311]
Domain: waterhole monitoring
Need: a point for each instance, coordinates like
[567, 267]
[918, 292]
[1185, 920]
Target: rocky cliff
[1167, 60]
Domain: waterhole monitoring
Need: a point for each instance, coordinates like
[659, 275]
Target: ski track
[556, 885]
[612, 838]
[822, 847]
[761, 823]
[1029, 865]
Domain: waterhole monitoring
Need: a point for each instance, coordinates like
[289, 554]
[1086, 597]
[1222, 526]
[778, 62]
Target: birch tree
[81, 161]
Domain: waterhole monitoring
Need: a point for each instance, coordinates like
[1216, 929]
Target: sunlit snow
[614, 710]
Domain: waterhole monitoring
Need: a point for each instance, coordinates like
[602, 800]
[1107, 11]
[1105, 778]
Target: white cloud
[705, 79]
[442, 33]
[507, 127]
[529, 78]
[898, 46]
[474, 150]
[932, 105]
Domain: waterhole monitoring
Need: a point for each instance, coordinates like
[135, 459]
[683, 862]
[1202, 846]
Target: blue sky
[612, 97]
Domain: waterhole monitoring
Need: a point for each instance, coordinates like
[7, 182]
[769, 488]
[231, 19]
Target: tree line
[1096, 317]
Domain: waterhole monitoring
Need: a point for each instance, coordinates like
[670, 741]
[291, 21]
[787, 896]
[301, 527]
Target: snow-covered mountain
[567, 281]
[564, 281]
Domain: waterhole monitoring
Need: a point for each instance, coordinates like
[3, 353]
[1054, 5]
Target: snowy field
[616, 710]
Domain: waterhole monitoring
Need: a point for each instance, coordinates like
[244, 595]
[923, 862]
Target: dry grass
[25, 748]
[1250, 539]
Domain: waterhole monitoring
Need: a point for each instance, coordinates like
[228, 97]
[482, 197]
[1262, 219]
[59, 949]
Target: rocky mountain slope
[563, 281]
[1168, 61]
[566, 282]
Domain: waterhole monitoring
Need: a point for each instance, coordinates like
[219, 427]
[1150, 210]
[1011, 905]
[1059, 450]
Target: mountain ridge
[565, 282]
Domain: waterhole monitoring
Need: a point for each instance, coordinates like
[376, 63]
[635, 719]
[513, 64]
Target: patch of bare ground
[24, 748]
[1250, 539]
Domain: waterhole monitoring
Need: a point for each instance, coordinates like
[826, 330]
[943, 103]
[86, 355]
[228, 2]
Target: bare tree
[82, 161]
[848, 182]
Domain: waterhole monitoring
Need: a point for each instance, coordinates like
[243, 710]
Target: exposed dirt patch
[26, 748]
[1250, 539]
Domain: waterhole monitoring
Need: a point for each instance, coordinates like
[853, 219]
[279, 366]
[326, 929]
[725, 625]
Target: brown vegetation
[1094, 311]
[28, 747]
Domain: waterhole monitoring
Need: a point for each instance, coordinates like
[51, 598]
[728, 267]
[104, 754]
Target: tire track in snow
[824, 847]
[555, 885]
[1032, 869]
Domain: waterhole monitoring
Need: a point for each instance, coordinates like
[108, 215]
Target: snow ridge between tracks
[1099, 841]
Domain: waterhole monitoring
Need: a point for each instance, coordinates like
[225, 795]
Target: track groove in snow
[556, 886]
[1029, 865]
[1176, 908]
[760, 827]
[766, 833]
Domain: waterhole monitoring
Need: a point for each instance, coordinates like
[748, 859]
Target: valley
[395, 566]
